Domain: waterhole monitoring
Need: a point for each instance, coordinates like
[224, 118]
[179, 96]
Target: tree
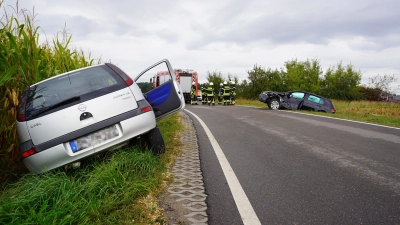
[145, 86]
[342, 82]
[258, 82]
[303, 75]
[371, 94]
[383, 83]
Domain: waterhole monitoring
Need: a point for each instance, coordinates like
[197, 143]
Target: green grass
[113, 188]
[382, 113]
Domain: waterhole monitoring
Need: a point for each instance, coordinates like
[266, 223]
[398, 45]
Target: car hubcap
[274, 105]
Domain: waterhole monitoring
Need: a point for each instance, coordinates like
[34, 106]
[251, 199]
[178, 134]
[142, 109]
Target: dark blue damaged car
[296, 100]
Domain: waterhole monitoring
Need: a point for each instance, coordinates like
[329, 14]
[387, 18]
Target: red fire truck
[185, 78]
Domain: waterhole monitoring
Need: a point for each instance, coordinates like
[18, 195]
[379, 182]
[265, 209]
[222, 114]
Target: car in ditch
[80, 113]
[297, 100]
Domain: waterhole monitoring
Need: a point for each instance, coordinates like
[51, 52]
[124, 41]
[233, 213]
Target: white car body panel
[62, 153]
[22, 132]
[67, 120]
[136, 92]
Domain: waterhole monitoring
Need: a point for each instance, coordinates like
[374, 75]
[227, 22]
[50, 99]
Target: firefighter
[193, 97]
[226, 93]
[220, 93]
[233, 93]
[210, 94]
[204, 94]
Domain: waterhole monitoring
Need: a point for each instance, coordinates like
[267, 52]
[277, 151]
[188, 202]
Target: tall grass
[383, 113]
[93, 194]
[24, 61]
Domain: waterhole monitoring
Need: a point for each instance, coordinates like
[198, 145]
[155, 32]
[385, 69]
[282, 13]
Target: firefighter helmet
[211, 84]
[225, 83]
[193, 83]
[220, 84]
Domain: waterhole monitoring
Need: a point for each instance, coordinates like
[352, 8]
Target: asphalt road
[299, 169]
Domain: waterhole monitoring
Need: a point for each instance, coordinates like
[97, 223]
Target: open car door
[166, 98]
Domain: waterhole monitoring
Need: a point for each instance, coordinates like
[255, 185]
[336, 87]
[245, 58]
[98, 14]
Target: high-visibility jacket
[227, 90]
[210, 91]
[193, 90]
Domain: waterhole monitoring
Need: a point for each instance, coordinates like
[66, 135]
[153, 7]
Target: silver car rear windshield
[78, 86]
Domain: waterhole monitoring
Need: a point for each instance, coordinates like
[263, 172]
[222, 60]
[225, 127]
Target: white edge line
[243, 204]
[373, 124]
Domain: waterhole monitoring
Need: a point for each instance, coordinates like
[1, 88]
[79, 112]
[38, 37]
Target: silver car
[80, 113]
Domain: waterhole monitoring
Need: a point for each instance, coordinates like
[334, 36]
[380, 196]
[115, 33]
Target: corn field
[25, 61]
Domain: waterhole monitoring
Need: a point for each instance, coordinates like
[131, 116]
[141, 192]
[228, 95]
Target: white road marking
[242, 202]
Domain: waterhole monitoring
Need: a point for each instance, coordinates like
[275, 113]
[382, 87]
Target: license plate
[95, 138]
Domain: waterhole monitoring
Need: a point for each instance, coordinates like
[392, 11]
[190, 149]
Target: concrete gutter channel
[185, 202]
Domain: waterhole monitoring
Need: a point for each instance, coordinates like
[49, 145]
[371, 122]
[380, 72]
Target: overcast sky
[229, 36]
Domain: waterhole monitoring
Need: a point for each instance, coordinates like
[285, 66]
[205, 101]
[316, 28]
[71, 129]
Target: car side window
[298, 95]
[315, 99]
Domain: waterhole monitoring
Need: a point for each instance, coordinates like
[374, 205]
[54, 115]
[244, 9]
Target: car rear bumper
[62, 153]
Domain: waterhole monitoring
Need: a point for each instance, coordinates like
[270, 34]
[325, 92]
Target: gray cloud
[377, 23]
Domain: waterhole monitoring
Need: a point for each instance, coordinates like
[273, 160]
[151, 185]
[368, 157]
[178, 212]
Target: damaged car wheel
[274, 104]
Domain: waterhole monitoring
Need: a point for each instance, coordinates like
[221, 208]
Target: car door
[312, 102]
[165, 99]
[294, 99]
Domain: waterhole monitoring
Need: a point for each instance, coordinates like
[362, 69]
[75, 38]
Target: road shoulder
[184, 201]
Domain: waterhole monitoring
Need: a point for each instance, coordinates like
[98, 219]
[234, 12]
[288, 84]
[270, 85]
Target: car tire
[274, 104]
[154, 141]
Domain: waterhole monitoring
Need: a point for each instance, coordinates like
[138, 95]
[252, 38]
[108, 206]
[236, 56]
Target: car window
[100, 79]
[298, 95]
[315, 99]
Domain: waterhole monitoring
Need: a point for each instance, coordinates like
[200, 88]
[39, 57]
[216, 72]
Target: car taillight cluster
[146, 109]
[28, 153]
[129, 81]
[21, 117]
[333, 110]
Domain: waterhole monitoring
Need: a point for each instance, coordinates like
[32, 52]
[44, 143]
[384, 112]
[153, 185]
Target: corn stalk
[23, 61]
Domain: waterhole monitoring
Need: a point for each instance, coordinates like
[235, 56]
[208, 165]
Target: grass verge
[117, 187]
[382, 113]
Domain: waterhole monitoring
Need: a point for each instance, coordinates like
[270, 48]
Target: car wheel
[154, 141]
[274, 104]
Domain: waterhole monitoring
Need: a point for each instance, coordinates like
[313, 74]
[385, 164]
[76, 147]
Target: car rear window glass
[83, 83]
[315, 99]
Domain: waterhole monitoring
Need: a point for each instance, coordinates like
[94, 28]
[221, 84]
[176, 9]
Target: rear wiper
[66, 101]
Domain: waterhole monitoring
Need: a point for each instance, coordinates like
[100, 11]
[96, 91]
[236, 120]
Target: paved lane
[300, 169]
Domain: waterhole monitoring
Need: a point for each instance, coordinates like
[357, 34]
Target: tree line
[341, 82]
